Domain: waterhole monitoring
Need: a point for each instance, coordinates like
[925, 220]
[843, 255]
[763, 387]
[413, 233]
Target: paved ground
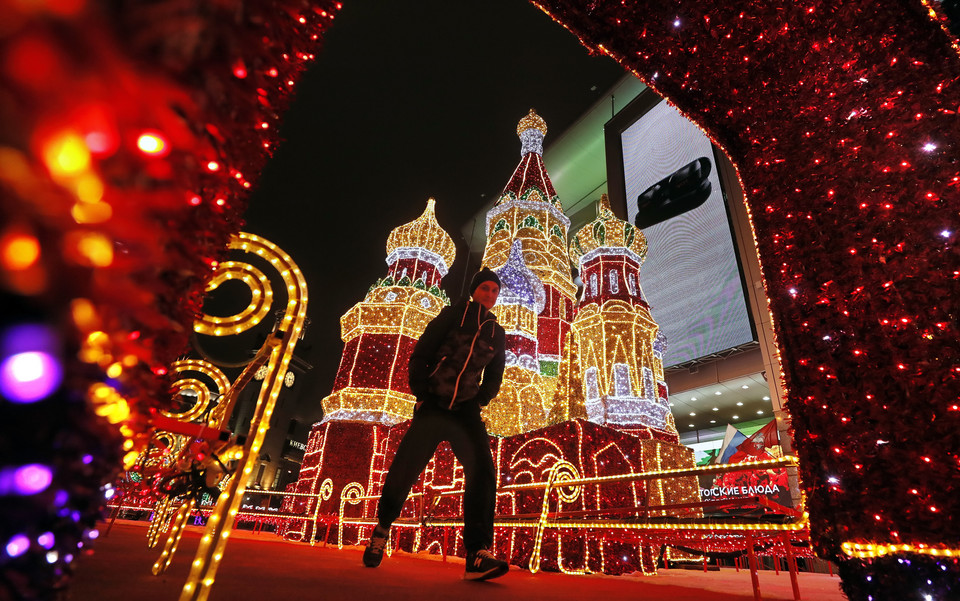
[263, 568]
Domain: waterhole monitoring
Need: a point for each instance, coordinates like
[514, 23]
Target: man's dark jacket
[463, 345]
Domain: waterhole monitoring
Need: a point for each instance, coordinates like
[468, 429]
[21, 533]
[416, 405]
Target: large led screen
[691, 277]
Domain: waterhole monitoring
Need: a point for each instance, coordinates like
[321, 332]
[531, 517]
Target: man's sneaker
[482, 565]
[373, 554]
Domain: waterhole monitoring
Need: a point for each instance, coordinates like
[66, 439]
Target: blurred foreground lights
[89, 248]
[25, 480]
[46, 540]
[17, 545]
[29, 371]
[18, 250]
[66, 155]
[153, 144]
[29, 377]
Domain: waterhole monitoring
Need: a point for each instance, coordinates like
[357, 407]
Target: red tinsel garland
[842, 121]
[132, 134]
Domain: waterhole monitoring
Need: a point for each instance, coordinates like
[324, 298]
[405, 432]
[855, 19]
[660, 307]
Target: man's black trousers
[467, 435]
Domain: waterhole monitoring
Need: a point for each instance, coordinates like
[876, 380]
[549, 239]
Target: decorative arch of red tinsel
[840, 116]
[842, 120]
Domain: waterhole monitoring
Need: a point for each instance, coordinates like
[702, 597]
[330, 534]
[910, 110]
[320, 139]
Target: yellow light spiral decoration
[220, 381]
[260, 301]
[279, 348]
[352, 493]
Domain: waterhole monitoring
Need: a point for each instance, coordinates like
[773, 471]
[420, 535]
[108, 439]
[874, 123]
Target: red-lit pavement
[264, 568]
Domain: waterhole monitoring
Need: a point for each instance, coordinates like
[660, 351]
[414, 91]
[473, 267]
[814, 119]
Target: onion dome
[531, 130]
[520, 286]
[609, 232]
[424, 232]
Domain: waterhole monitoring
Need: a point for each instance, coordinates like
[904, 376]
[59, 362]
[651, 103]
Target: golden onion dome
[532, 121]
[424, 232]
[607, 231]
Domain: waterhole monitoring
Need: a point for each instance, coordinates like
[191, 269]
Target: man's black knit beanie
[484, 275]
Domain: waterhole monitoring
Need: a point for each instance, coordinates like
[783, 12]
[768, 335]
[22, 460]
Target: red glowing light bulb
[239, 69]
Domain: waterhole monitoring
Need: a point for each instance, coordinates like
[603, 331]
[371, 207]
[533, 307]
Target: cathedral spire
[530, 181]
[531, 130]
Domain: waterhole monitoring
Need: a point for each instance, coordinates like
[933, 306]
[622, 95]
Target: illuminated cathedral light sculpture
[612, 372]
[534, 424]
[379, 333]
[529, 212]
[520, 405]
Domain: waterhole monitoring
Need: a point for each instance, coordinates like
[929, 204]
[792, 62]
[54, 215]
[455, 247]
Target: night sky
[408, 101]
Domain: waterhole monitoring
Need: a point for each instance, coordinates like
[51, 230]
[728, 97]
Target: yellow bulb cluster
[107, 402]
[174, 535]
[388, 405]
[544, 250]
[522, 403]
[608, 231]
[159, 521]
[399, 310]
[424, 232]
[532, 121]
[871, 550]
[602, 336]
[70, 163]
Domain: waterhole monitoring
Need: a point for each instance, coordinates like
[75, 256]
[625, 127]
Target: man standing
[456, 369]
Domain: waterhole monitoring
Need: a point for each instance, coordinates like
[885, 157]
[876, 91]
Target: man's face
[486, 294]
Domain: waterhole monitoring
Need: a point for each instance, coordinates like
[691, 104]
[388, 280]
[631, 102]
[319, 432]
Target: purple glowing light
[17, 545]
[46, 540]
[29, 369]
[33, 478]
[25, 480]
[29, 376]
